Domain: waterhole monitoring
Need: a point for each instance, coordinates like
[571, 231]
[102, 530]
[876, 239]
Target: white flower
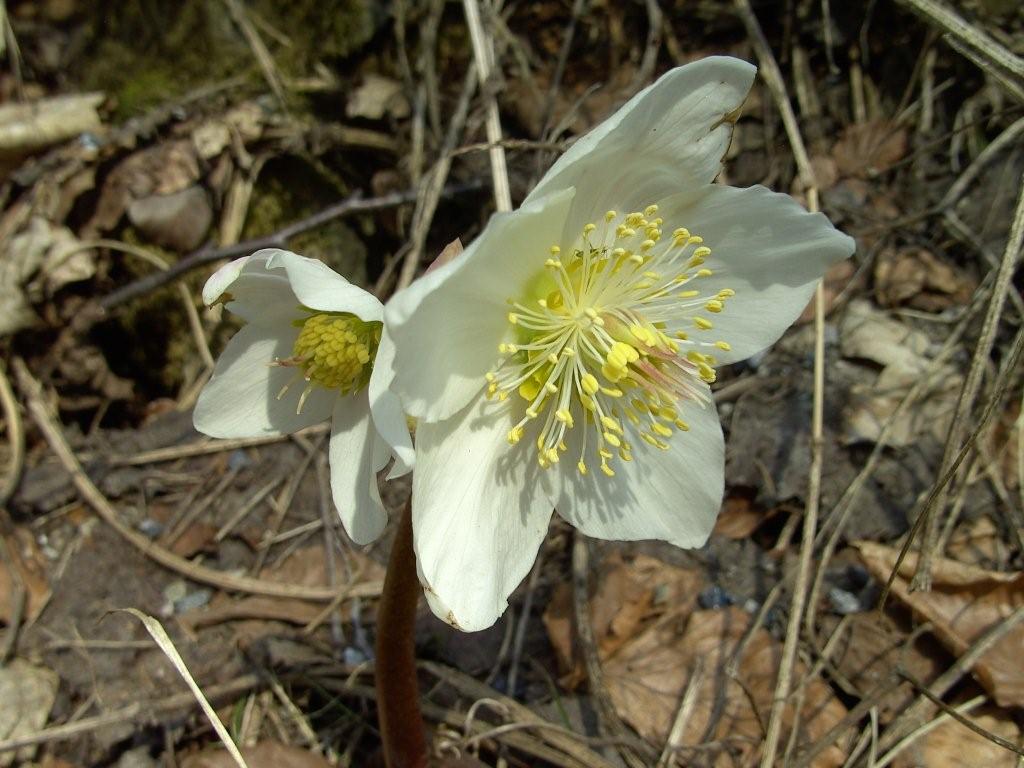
[306, 356]
[563, 360]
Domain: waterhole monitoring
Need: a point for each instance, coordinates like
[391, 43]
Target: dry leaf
[628, 595]
[963, 603]
[952, 745]
[376, 97]
[266, 754]
[917, 278]
[649, 674]
[31, 565]
[739, 518]
[980, 543]
[865, 149]
[27, 693]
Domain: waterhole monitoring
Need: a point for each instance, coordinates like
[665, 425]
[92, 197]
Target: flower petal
[255, 294]
[388, 416]
[671, 495]
[354, 468]
[480, 513]
[447, 325]
[317, 286]
[241, 398]
[766, 248]
[677, 127]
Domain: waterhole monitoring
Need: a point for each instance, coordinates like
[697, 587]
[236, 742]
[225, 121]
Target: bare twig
[209, 254]
[588, 645]
[773, 78]
[15, 439]
[483, 54]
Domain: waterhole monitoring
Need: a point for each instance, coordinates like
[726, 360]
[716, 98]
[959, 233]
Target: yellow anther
[515, 435]
[588, 402]
[714, 306]
[581, 466]
[688, 294]
[646, 245]
[634, 219]
[723, 345]
[334, 351]
[611, 391]
[555, 250]
[702, 253]
[565, 417]
[704, 273]
[588, 228]
[513, 318]
[703, 323]
[661, 429]
[726, 293]
[695, 240]
[490, 376]
[551, 454]
[650, 210]
[610, 215]
[607, 470]
[706, 372]
[681, 425]
[589, 383]
[682, 232]
[612, 439]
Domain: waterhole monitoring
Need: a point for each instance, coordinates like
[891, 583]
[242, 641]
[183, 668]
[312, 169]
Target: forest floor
[144, 143]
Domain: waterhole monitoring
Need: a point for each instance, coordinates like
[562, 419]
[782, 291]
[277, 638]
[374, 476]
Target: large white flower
[313, 349]
[563, 360]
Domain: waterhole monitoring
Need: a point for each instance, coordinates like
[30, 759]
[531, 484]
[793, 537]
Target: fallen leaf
[952, 745]
[739, 517]
[979, 542]
[865, 149]
[27, 692]
[628, 595]
[32, 567]
[266, 754]
[915, 277]
[647, 677]
[376, 97]
[963, 603]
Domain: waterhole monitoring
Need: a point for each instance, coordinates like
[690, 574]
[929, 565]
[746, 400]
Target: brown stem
[398, 701]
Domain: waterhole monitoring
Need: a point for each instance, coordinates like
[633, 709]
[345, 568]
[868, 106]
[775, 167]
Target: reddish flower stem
[398, 699]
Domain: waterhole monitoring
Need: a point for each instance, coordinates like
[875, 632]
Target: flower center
[599, 341]
[335, 350]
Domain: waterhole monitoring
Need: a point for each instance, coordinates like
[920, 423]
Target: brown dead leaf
[865, 149]
[739, 518]
[917, 278]
[871, 647]
[266, 754]
[952, 745]
[649, 674]
[628, 595]
[964, 602]
[979, 543]
[196, 538]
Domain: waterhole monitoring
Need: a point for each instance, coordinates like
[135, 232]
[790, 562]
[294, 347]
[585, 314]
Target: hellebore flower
[306, 355]
[563, 359]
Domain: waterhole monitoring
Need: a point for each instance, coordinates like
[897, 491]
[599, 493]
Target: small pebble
[150, 528]
[193, 600]
[844, 602]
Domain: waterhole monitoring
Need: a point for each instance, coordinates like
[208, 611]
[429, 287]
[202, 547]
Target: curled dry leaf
[647, 677]
[865, 149]
[963, 603]
[31, 566]
[739, 517]
[917, 278]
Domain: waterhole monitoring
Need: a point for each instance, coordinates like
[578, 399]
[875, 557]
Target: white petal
[671, 495]
[257, 295]
[388, 416]
[479, 515]
[674, 133]
[240, 400]
[447, 325]
[354, 469]
[766, 248]
[317, 286]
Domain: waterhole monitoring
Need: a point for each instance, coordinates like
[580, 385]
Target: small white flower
[313, 349]
[563, 360]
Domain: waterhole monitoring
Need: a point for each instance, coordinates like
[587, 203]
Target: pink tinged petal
[480, 512]
[388, 416]
[447, 325]
[253, 293]
[355, 456]
[317, 286]
[671, 495]
[673, 133]
[241, 398]
[766, 248]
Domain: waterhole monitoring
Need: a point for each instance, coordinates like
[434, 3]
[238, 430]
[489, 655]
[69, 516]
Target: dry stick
[483, 54]
[578, 8]
[687, 703]
[931, 512]
[208, 254]
[40, 413]
[1002, 385]
[924, 729]
[986, 66]
[433, 182]
[206, 447]
[969, 35]
[15, 439]
[585, 634]
[147, 712]
[984, 733]
[398, 701]
[773, 78]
